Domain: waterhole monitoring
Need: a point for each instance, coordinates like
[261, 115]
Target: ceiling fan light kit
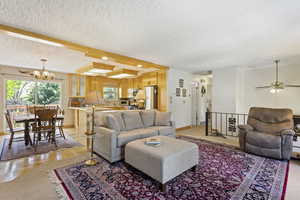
[277, 86]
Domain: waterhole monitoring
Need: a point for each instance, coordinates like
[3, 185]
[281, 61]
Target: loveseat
[114, 129]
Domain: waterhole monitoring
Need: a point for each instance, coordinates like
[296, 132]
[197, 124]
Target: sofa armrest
[106, 133]
[105, 140]
[245, 127]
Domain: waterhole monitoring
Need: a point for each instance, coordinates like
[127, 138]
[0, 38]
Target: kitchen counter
[81, 115]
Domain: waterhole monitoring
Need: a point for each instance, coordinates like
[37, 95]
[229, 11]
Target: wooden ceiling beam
[88, 51]
[126, 60]
[95, 65]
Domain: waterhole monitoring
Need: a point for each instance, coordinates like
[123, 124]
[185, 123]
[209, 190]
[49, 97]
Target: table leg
[27, 134]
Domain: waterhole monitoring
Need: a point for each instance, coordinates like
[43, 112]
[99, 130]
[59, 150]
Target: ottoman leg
[163, 187]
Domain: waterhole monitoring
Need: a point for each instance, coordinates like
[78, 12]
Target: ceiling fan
[277, 86]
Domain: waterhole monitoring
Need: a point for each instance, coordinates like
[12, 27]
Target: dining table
[26, 119]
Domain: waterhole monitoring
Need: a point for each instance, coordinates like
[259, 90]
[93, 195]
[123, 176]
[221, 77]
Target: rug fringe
[61, 194]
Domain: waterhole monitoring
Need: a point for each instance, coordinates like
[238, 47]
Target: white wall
[224, 90]
[179, 106]
[234, 89]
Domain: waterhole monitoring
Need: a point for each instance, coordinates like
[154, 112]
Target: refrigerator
[151, 97]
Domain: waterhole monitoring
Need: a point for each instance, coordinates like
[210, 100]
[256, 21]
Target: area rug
[223, 173]
[19, 150]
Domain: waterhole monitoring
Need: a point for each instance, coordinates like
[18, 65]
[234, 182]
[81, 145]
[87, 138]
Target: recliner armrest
[287, 132]
[245, 127]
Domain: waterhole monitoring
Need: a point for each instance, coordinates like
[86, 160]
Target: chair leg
[11, 140]
[61, 130]
[36, 142]
[54, 138]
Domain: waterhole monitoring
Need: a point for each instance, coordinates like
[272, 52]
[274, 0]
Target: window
[20, 93]
[110, 93]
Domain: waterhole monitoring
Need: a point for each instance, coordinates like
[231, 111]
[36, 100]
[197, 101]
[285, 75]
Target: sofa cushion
[127, 136]
[112, 122]
[132, 120]
[263, 140]
[164, 130]
[148, 118]
[162, 118]
[119, 118]
[101, 118]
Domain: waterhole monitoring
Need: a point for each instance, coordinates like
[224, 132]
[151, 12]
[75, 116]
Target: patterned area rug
[223, 173]
[19, 150]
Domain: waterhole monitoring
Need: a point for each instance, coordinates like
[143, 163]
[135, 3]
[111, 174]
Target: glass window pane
[110, 93]
[20, 93]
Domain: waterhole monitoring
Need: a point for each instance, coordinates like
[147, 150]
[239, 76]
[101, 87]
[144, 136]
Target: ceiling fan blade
[292, 85]
[25, 72]
[262, 87]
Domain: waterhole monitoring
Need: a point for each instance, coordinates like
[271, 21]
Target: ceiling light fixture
[123, 73]
[44, 74]
[277, 86]
[96, 69]
[26, 37]
[139, 65]
[104, 58]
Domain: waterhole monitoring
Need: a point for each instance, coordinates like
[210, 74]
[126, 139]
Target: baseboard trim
[184, 128]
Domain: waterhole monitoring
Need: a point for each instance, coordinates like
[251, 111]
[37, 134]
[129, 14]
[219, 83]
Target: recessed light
[104, 58]
[139, 65]
[99, 71]
[121, 76]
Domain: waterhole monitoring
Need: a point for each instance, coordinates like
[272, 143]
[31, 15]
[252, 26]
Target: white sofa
[114, 129]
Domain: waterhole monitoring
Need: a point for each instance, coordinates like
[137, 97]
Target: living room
[149, 99]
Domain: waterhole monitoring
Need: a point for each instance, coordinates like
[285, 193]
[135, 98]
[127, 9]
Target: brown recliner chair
[268, 132]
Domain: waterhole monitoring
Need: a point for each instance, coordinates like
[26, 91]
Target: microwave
[124, 101]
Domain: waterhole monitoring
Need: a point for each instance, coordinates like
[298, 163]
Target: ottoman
[164, 162]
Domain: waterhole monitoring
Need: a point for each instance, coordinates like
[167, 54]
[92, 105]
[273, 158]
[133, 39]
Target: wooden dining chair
[44, 125]
[60, 122]
[13, 130]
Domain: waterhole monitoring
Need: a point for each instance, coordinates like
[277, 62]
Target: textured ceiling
[193, 35]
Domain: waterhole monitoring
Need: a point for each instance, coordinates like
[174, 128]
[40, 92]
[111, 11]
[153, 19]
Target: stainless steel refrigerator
[151, 97]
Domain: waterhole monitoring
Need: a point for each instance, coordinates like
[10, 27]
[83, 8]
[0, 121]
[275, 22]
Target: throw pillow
[132, 120]
[162, 118]
[112, 122]
[148, 118]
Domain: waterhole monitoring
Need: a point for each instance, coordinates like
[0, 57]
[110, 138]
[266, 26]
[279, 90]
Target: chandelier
[43, 74]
